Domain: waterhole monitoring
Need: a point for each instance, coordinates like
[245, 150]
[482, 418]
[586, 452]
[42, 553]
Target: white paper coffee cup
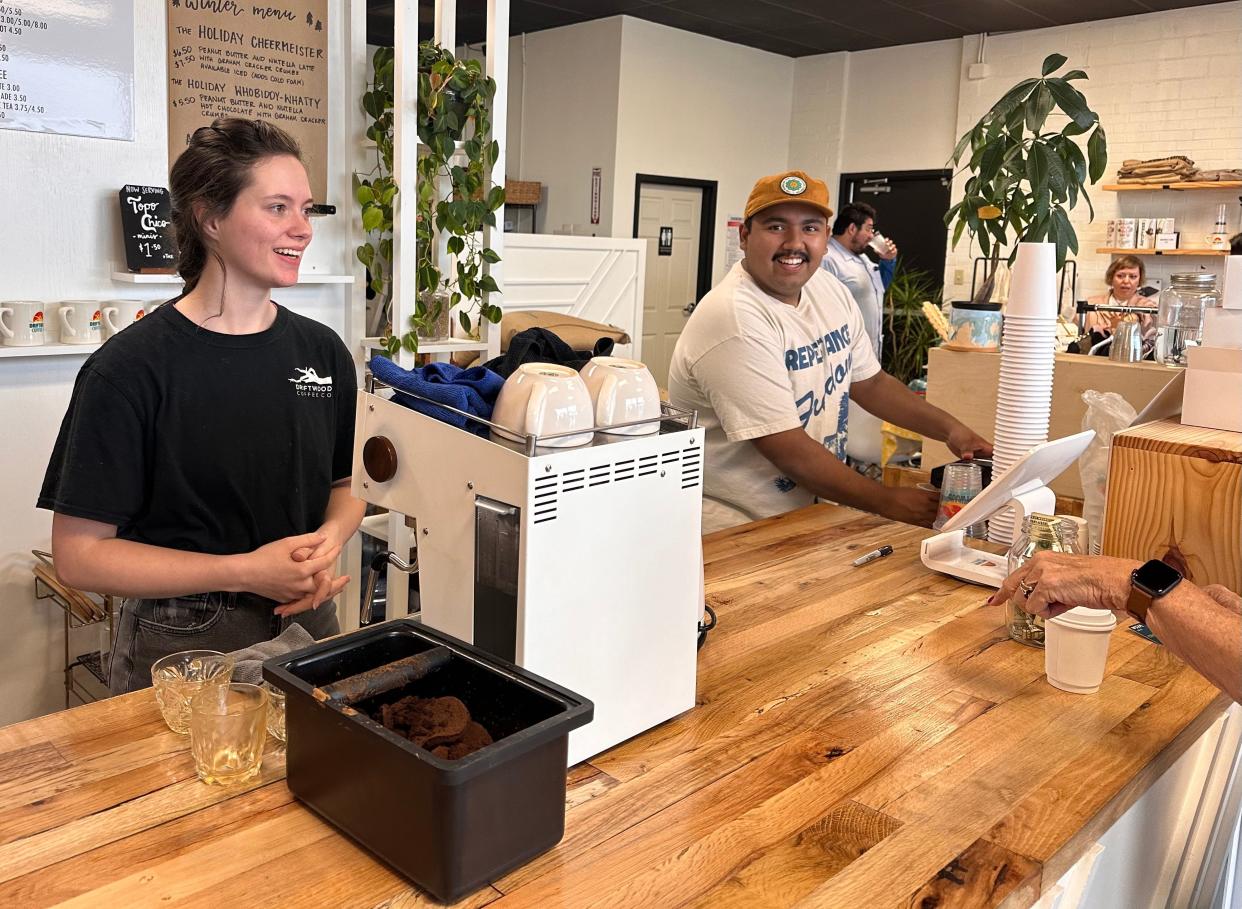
[1076, 649]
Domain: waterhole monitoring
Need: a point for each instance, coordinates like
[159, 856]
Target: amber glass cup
[178, 677]
[228, 729]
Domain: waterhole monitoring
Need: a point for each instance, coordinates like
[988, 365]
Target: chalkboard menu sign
[146, 218]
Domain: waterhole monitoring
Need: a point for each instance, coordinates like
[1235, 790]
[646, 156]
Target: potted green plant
[1025, 178]
[455, 198]
[908, 335]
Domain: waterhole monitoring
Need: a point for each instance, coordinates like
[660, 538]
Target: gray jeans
[153, 628]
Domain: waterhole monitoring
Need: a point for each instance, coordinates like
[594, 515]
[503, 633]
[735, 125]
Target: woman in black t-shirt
[202, 469]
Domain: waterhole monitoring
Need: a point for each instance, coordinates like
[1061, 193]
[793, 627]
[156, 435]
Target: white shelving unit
[50, 350]
[400, 538]
[128, 277]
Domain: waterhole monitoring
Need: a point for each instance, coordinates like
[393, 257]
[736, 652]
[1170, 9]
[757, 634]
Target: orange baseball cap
[791, 186]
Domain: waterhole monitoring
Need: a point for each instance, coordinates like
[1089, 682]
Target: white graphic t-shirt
[753, 366]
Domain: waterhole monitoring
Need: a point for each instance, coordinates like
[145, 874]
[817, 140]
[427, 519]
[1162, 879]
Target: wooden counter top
[864, 737]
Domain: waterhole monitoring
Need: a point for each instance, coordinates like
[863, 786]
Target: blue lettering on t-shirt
[812, 405]
[808, 355]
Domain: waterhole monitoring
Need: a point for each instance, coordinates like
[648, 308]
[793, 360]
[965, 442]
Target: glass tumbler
[275, 711]
[228, 729]
[178, 677]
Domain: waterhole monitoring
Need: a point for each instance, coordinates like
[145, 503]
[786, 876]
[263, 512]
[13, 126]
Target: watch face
[1157, 578]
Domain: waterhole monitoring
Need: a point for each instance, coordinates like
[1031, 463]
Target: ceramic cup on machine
[545, 399]
[80, 322]
[622, 391]
[22, 323]
[120, 314]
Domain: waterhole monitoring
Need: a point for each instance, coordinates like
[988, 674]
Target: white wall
[1163, 83]
[893, 108]
[692, 106]
[563, 117]
[61, 240]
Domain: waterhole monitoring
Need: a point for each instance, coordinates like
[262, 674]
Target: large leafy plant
[455, 194]
[1025, 177]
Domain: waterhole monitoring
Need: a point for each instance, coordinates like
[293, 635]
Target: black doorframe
[943, 173]
[707, 220]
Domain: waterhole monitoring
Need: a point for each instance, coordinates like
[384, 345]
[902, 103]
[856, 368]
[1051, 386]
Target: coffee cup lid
[1088, 619]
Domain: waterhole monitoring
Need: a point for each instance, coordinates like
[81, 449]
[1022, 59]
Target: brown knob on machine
[379, 458]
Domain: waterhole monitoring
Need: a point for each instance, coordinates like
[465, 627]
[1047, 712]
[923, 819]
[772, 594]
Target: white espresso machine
[583, 565]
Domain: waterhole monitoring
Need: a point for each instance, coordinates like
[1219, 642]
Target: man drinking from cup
[852, 232]
[771, 358]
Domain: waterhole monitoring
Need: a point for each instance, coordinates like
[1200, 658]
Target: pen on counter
[873, 555]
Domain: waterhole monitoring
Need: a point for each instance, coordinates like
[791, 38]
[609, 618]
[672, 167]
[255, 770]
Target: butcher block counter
[863, 737]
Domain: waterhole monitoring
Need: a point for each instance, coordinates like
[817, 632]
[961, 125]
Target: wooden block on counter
[1175, 493]
[965, 385]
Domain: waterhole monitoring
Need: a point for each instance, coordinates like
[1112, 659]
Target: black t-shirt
[200, 441]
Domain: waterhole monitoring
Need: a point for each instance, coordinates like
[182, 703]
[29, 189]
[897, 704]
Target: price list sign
[264, 61]
[146, 219]
[68, 68]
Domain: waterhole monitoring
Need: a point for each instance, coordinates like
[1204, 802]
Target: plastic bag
[1107, 413]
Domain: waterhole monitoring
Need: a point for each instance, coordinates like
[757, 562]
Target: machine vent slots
[691, 465]
[574, 480]
[545, 498]
[600, 474]
[623, 470]
[648, 464]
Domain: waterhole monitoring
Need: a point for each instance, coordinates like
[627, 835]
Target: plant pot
[439, 321]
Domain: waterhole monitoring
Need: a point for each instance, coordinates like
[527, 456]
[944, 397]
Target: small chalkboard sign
[146, 219]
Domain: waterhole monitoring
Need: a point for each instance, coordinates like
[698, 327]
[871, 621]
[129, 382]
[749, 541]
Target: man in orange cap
[770, 359]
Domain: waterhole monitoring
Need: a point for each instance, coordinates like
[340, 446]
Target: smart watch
[1149, 582]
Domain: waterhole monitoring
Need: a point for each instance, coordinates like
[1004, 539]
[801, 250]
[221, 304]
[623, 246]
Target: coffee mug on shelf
[22, 323]
[545, 399]
[622, 391]
[80, 322]
[120, 314]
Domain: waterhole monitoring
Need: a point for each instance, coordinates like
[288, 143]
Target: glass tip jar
[1040, 533]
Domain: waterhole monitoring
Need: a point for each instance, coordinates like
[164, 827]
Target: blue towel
[473, 390]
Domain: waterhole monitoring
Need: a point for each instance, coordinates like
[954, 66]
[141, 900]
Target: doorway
[910, 206]
[675, 216]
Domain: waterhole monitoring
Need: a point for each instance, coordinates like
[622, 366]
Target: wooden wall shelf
[1163, 252]
[1176, 187]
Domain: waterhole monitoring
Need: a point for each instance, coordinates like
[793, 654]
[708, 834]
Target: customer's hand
[1059, 581]
[271, 571]
[966, 443]
[910, 506]
[890, 251]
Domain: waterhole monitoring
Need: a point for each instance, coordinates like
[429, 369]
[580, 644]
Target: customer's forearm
[1202, 632]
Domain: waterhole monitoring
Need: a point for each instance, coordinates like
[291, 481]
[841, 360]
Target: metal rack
[80, 610]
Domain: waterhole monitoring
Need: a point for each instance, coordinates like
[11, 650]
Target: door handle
[689, 307]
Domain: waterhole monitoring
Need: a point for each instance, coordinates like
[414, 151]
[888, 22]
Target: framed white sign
[67, 66]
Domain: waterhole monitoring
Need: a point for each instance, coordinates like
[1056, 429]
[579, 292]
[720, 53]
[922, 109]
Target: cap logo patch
[793, 186]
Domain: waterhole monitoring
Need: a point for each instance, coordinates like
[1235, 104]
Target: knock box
[449, 826]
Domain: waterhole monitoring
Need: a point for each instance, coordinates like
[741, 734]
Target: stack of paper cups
[1028, 343]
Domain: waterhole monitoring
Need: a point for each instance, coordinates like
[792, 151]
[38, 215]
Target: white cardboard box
[1213, 397]
[1222, 328]
[1231, 283]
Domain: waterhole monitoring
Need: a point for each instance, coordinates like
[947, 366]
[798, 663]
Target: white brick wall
[1163, 83]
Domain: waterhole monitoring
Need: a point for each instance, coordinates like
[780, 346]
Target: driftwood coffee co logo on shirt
[307, 383]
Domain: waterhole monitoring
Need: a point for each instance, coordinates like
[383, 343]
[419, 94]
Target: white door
[672, 268]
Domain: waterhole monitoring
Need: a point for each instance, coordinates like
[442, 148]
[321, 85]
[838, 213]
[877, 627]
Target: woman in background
[1124, 277]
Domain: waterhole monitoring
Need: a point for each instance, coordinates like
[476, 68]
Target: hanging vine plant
[455, 197]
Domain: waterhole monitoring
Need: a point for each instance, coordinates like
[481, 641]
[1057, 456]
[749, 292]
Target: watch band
[1138, 603]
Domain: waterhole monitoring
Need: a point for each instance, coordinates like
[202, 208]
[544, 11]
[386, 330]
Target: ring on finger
[1027, 589]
